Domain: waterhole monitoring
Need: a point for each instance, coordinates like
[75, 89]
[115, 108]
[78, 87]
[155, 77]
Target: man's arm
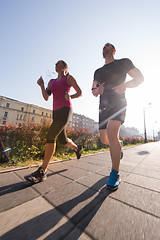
[97, 88]
[137, 78]
[135, 82]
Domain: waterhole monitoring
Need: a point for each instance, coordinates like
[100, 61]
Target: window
[7, 105]
[24, 118]
[32, 119]
[20, 117]
[46, 114]
[5, 115]
[22, 109]
[34, 111]
[17, 116]
[42, 113]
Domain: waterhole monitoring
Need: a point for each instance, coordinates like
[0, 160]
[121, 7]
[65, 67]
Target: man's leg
[103, 136]
[113, 127]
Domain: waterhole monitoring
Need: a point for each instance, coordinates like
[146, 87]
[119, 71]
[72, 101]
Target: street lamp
[145, 132]
[154, 138]
[144, 117]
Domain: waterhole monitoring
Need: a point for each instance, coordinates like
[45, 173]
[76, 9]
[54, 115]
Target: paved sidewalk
[73, 203]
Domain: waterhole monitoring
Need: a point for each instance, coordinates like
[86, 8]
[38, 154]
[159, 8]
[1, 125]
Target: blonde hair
[65, 66]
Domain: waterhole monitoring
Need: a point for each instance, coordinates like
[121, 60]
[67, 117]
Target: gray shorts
[111, 114]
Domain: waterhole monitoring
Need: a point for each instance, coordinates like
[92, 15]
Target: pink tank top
[59, 88]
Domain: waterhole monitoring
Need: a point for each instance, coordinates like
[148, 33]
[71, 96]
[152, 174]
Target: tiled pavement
[73, 203]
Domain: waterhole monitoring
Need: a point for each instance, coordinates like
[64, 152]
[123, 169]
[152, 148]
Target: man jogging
[109, 83]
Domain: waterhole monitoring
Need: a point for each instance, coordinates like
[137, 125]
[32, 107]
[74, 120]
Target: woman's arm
[72, 82]
[40, 82]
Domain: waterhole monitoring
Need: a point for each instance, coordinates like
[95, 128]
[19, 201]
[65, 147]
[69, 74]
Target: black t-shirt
[113, 74]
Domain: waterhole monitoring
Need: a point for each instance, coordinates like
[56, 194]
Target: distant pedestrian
[62, 111]
[109, 83]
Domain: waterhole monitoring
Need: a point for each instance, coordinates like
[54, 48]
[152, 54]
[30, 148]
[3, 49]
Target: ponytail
[66, 66]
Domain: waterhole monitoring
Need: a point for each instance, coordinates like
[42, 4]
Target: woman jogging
[62, 111]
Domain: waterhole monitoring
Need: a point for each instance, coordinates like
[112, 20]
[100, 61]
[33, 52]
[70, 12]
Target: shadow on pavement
[143, 153]
[21, 185]
[39, 225]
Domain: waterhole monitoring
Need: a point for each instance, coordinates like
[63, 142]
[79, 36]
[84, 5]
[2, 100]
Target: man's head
[108, 49]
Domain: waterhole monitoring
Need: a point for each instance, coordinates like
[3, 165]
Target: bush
[28, 142]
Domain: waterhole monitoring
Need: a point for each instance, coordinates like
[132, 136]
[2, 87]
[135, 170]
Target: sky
[35, 34]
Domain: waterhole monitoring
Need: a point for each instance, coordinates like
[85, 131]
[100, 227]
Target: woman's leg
[49, 151]
[71, 144]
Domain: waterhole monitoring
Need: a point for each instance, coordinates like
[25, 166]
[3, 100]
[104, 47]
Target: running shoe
[114, 180]
[37, 176]
[78, 152]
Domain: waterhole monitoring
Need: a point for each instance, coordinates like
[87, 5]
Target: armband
[48, 91]
[97, 85]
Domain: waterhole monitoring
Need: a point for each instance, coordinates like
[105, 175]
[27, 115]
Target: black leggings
[57, 129]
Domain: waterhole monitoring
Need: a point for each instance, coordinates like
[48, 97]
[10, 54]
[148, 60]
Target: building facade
[81, 122]
[16, 113]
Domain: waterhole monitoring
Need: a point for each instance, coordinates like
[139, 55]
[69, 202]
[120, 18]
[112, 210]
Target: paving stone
[91, 167]
[147, 172]
[99, 159]
[74, 173]
[112, 219]
[36, 219]
[77, 234]
[105, 171]
[151, 161]
[75, 200]
[13, 191]
[76, 203]
[150, 167]
[143, 181]
[53, 181]
[58, 167]
[94, 181]
[127, 163]
[133, 158]
[139, 197]
[126, 167]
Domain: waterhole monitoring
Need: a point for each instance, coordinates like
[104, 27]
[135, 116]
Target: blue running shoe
[114, 180]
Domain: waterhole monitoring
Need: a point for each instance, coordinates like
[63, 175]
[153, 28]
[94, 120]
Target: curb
[36, 165]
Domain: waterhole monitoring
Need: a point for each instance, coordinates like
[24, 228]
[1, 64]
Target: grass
[30, 162]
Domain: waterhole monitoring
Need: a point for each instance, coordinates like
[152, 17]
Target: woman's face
[59, 66]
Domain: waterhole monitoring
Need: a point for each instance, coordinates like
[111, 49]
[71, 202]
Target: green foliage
[28, 142]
